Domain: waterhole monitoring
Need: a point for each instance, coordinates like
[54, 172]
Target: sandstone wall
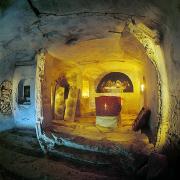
[26, 28]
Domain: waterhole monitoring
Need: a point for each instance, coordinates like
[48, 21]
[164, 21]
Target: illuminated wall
[132, 102]
[151, 95]
[55, 69]
[150, 40]
[97, 38]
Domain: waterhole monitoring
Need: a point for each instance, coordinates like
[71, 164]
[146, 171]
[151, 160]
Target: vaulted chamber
[95, 90]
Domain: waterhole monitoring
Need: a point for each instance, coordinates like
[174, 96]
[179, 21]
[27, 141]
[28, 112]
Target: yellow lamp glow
[85, 89]
[142, 87]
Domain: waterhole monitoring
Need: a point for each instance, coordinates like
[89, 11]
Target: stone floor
[22, 158]
[114, 151]
[123, 134]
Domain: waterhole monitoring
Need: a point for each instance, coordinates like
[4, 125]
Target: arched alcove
[24, 97]
[94, 119]
[92, 69]
[115, 82]
[24, 92]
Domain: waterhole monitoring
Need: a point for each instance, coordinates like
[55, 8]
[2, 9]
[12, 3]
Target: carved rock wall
[172, 55]
[6, 119]
[27, 26]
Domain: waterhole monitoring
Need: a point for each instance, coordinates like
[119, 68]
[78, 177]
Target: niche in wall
[24, 92]
[115, 82]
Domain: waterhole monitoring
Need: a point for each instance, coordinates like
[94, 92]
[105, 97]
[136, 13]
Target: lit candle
[105, 106]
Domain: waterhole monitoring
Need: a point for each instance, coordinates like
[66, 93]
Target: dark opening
[23, 93]
[26, 91]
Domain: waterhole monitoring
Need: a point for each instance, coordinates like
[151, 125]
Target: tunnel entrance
[101, 72]
[79, 119]
[76, 113]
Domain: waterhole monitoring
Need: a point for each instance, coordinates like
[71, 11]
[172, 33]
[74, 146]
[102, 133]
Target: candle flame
[105, 106]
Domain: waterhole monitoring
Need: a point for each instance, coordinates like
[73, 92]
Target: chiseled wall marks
[6, 97]
[6, 120]
[151, 95]
[171, 45]
[35, 36]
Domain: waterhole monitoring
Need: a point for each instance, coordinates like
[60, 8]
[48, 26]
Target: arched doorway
[152, 51]
[24, 97]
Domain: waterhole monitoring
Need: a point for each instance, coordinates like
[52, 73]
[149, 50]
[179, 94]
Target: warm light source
[142, 87]
[85, 89]
[105, 106]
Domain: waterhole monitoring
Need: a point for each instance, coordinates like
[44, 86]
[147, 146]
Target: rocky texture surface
[27, 26]
[83, 141]
[84, 131]
[22, 158]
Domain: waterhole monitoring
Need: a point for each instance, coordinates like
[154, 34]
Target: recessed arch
[149, 40]
[115, 82]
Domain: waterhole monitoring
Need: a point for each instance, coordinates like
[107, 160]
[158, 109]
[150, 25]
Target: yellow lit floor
[123, 134]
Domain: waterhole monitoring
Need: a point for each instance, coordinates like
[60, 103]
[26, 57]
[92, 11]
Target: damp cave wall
[26, 34]
[6, 73]
[170, 45]
[169, 29]
[15, 46]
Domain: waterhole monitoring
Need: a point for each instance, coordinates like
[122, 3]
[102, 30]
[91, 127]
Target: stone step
[19, 161]
[97, 153]
[82, 156]
[111, 159]
[22, 142]
[96, 161]
[95, 139]
[18, 166]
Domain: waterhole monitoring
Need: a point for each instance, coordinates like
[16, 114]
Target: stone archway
[150, 41]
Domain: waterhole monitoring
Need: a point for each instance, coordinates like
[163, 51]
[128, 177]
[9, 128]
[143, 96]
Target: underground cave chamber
[96, 90]
[90, 79]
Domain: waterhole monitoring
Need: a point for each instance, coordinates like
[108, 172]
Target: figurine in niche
[109, 83]
[113, 85]
[126, 86]
[108, 86]
[120, 86]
